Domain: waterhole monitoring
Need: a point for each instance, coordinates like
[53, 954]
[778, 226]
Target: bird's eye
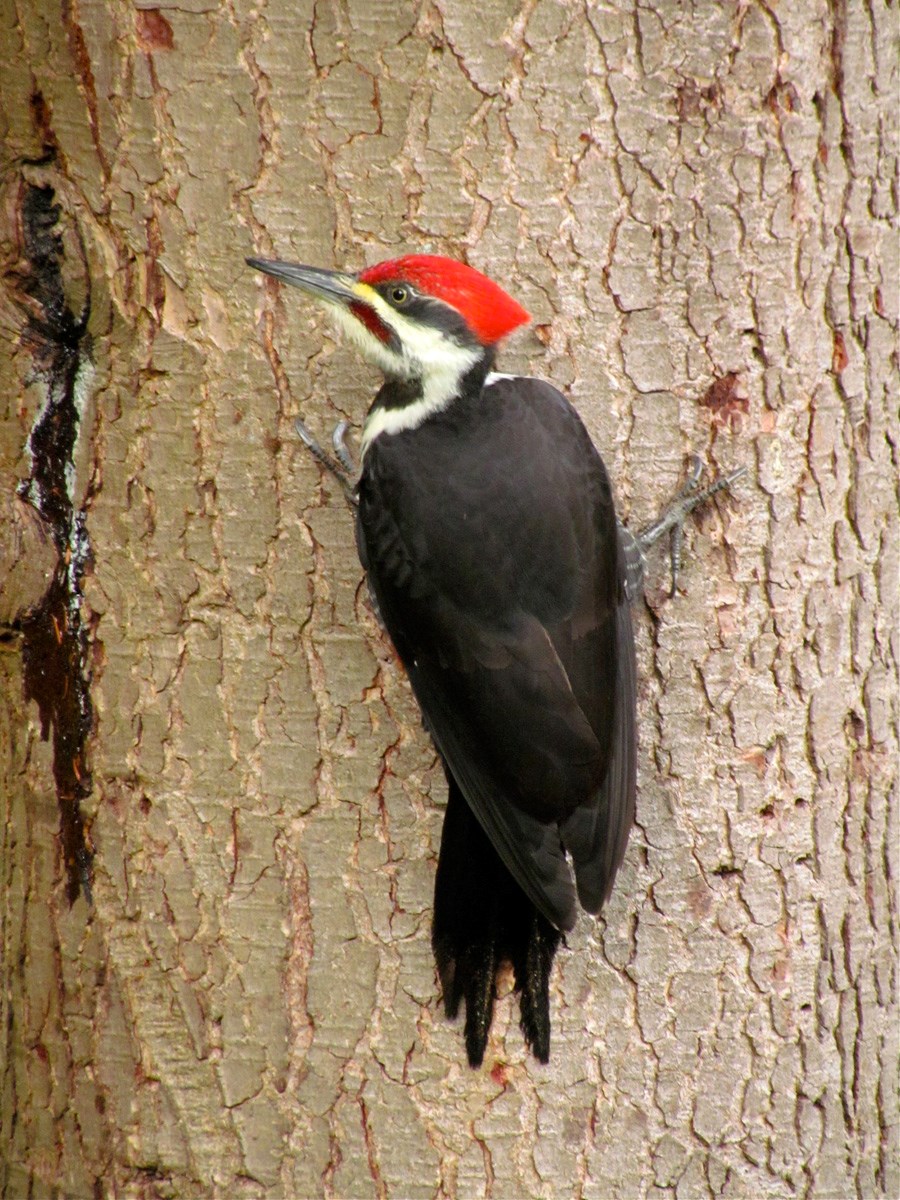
[399, 295]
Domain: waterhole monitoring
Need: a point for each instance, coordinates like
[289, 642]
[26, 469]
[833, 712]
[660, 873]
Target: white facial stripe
[427, 354]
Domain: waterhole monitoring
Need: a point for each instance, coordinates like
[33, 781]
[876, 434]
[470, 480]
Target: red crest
[489, 312]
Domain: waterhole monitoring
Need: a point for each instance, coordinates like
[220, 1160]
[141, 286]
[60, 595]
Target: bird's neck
[403, 404]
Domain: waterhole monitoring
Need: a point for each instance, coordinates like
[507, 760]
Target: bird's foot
[339, 445]
[340, 464]
[672, 521]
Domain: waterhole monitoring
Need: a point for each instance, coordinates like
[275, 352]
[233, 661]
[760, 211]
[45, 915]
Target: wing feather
[596, 833]
[503, 588]
[531, 849]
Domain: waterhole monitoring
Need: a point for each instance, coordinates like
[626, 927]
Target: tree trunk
[202, 722]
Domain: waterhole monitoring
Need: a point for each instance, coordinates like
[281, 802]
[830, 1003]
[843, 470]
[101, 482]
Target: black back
[491, 544]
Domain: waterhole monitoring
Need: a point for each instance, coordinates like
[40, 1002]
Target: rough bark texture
[696, 203]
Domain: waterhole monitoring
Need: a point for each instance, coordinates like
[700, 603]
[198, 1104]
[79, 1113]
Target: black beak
[333, 287]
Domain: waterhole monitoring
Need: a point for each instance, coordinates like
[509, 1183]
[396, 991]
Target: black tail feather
[479, 971]
[483, 919]
[543, 941]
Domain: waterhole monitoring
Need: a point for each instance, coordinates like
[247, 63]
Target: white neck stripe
[447, 366]
[434, 400]
[396, 420]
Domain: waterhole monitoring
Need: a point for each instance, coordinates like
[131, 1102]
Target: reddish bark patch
[82, 59]
[783, 97]
[498, 1074]
[725, 398]
[839, 356]
[699, 900]
[691, 99]
[757, 759]
[40, 111]
[153, 30]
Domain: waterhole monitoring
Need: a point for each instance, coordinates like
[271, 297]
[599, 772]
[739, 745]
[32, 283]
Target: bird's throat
[404, 404]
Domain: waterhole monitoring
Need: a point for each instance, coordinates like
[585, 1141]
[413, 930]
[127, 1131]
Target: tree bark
[201, 719]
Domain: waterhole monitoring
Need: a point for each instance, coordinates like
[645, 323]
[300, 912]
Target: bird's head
[422, 317]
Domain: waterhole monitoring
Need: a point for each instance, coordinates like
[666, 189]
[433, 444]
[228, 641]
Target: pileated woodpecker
[487, 529]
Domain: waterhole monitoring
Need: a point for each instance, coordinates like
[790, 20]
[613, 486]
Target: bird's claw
[673, 519]
[339, 444]
[341, 465]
